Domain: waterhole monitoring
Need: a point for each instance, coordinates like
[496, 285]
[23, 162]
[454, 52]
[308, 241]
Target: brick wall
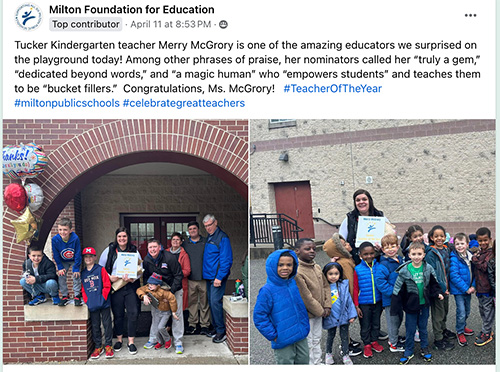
[73, 147]
[237, 334]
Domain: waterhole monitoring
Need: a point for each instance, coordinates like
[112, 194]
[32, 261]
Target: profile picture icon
[28, 16]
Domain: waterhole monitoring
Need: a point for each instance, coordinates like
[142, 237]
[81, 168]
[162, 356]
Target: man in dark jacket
[164, 263]
[197, 287]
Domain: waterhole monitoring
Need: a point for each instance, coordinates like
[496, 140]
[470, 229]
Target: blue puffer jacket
[279, 313]
[433, 258]
[385, 278]
[368, 292]
[343, 308]
[461, 278]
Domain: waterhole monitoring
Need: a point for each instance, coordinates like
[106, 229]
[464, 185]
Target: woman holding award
[117, 258]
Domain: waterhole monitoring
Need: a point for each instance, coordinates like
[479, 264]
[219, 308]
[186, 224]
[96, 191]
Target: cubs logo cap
[89, 250]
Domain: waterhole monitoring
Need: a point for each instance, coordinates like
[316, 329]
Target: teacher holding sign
[118, 259]
[363, 206]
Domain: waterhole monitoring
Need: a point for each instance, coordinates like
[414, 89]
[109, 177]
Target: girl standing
[343, 312]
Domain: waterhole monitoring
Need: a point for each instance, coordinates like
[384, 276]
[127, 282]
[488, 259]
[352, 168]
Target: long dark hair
[129, 239]
[336, 265]
[372, 211]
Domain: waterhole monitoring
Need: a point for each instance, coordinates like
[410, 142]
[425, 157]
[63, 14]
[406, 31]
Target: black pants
[370, 322]
[125, 298]
[96, 317]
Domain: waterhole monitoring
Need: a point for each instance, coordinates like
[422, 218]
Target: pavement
[261, 352]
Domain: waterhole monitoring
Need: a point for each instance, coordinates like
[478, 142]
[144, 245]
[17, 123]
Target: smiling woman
[363, 206]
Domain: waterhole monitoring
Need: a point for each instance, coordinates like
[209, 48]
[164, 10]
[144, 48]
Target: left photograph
[125, 241]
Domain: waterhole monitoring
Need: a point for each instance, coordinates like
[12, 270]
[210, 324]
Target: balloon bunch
[19, 163]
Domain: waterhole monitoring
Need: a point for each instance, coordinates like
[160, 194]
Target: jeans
[413, 321]
[63, 281]
[215, 295]
[463, 311]
[50, 287]
[344, 339]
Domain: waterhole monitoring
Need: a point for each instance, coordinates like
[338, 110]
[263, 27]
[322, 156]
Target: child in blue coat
[279, 313]
[462, 284]
[342, 314]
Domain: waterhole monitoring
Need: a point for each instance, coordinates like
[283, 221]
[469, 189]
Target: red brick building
[161, 172]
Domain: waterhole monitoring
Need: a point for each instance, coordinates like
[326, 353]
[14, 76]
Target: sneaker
[417, 337]
[64, 301]
[329, 358]
[168, 344]
[468, 332]
[179, 349]
[347, 361]
[354, 351]
[56, 300]
[382, 335]
[204, 331]
[449, 334]
[425, 354]
[109, 352]
[149, 345]
[401, 339]
[353, 343]
[158, 346]
[395, 348]
[219, 337]
[444, 345]
[97, 353]
[132, 349]
[40, 299]
[211, 333]
[367, 352]
[118, 346]
[78, 301]
[483, 339]
[462, 341]
[405, 360]
[190, 330]
[377, 347]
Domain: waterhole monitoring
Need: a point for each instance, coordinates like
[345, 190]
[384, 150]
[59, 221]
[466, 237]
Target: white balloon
[35, 196]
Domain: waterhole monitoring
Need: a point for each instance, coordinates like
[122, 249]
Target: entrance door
[294, 200]
[160, 227]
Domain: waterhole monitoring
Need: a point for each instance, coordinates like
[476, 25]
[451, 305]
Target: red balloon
[15, 197]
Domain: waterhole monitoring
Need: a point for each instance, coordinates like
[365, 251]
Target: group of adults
[209, 258]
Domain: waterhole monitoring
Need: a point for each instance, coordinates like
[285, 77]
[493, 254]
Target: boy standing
[367, 299]
[315, 292]
[462, 284]
[279, 313]
[415, 286]
[164, 304]
[67, 253]
[39, 277]
[385, 278]
[484, 293]
[95, 291]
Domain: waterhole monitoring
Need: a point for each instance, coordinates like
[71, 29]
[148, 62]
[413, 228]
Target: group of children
[93, 286]
[413, 287]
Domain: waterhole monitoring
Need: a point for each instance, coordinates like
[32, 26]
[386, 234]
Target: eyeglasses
[209, 224]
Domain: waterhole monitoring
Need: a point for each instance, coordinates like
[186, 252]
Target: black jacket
[46, 270]
[167, 266]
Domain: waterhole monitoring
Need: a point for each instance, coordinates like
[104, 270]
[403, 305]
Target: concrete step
[198, 349]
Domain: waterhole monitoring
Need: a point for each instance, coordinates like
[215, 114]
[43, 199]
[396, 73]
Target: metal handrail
[261, 228]
[328, 223]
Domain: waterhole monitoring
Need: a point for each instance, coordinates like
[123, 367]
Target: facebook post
[157, 212]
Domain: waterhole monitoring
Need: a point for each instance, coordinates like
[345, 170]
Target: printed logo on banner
[28, 16]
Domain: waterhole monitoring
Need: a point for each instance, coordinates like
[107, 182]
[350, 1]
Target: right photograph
[372, 241]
